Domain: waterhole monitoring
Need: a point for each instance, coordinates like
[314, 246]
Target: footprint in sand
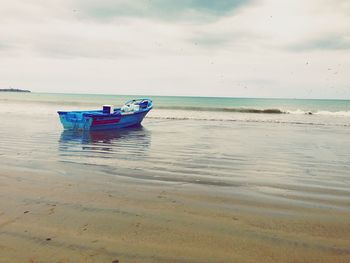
[52, 209]
[83, 228]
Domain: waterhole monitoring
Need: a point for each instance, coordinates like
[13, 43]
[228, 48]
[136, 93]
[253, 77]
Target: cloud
[124, 28]
[4, 47]
[170, 10]
[211, 40]
[64, 39]
[216, 37]
[333, 42]
[193, 47]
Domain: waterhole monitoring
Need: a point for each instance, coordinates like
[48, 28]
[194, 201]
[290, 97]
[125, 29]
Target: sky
[234, 48]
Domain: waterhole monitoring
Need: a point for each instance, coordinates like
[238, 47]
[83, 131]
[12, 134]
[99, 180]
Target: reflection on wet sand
[138, 134]
[105, 143]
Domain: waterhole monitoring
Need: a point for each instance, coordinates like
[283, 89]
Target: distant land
[14, 90]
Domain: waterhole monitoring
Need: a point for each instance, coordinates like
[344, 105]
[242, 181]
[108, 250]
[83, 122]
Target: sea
[264, 146]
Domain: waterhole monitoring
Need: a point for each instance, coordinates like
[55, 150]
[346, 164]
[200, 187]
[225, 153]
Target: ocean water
[249, 105]
[213, 141]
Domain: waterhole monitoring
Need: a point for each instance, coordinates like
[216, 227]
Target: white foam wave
[336, 113]
[326, 113]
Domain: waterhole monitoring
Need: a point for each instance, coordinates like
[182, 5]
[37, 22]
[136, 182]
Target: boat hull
[122, 121]
[90, 122]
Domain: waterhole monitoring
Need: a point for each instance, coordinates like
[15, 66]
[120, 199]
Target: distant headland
[14, 90]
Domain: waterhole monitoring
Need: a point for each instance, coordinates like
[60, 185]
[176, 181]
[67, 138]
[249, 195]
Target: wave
[248, 120]
[335, 113]
[223, 109]
[95, 104]
[255, 110]
[321, 112]
[185, 108]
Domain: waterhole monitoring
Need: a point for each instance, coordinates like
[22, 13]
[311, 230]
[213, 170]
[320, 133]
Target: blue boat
[131, 114]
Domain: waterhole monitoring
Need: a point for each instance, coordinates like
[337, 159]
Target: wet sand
[46, 217]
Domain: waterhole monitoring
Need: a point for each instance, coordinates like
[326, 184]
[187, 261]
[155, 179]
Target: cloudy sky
[237, 48]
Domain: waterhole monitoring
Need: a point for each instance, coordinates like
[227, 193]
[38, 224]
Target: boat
[130, 114]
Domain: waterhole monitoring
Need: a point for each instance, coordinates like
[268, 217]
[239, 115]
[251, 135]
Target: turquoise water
[186, 103]
[291, 111]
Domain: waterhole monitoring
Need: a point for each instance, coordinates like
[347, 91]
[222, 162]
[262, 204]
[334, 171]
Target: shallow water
[275, 166]
[277, 153]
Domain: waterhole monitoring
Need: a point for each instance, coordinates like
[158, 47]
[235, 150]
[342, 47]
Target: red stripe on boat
[102, 122]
